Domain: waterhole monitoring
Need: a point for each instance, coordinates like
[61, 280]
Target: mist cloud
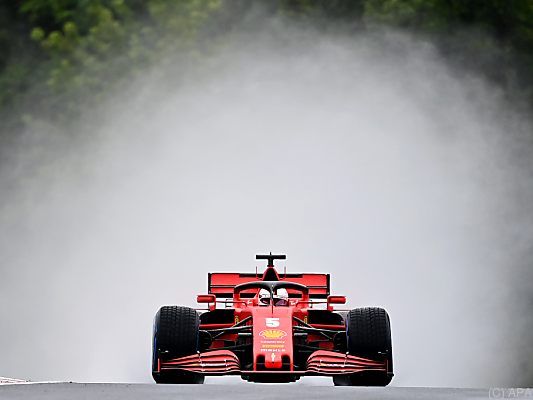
[370, 158]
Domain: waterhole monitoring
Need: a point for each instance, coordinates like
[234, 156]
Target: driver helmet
[264, 297]
[281, 298]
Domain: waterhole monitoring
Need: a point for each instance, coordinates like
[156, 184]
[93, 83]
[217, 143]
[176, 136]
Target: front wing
[225, 362]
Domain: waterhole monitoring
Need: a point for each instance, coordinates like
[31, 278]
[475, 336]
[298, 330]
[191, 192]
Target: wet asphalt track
[86, 391]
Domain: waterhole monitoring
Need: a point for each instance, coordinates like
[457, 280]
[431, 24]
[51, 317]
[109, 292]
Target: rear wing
[221, 284]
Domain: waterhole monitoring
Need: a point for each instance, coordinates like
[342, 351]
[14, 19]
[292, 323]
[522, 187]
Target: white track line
[11, 381]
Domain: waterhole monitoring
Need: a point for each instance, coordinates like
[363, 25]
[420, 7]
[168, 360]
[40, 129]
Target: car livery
[292, 330]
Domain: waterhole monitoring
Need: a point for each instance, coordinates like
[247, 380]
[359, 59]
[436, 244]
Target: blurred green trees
[496, 35]
[54, 53]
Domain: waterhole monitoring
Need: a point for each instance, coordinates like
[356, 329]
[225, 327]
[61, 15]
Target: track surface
[86, 391]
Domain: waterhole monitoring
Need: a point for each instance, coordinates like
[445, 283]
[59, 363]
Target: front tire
[368, 335]
[175, 335]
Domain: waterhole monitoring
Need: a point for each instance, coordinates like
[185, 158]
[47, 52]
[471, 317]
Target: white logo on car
[272, 322]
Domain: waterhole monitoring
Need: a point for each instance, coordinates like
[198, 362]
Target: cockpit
[280, 298]
[271, 293]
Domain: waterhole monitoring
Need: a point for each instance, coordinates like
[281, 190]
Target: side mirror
[207, 299]
[335, 300]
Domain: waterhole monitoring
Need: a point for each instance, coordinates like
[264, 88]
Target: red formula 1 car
[272, 328]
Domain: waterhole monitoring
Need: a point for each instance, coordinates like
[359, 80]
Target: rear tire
[175, 335]
[368, 335]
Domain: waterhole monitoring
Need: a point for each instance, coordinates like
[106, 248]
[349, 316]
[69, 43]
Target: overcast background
[372, 159]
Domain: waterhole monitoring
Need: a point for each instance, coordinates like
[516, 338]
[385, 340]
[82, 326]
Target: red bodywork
[271, 343]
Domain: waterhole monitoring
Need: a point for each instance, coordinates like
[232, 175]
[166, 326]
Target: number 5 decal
[272, 322]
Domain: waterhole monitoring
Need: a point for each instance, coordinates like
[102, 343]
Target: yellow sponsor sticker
[272, 333]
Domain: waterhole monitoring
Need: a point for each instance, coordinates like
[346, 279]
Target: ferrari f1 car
[272, 328]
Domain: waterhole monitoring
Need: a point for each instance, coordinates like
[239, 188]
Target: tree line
[55, 55]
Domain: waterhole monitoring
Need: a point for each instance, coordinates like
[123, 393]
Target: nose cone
[273, 347]
[274, 362]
